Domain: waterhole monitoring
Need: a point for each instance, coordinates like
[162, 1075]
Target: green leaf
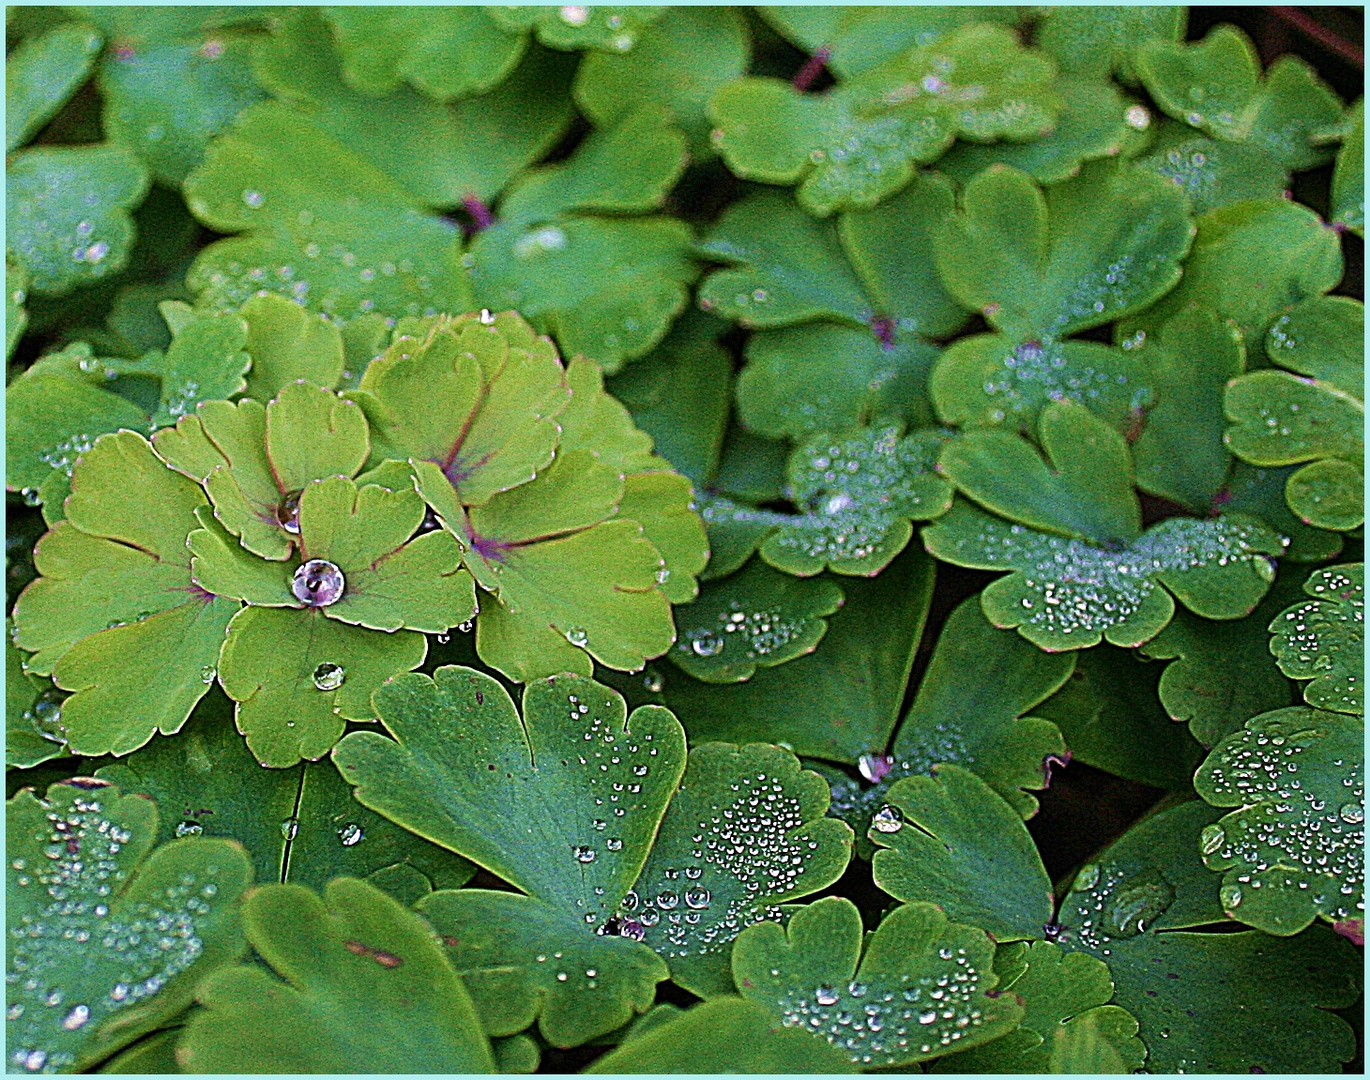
[205, 362]
[1260, 493]
[1323, 639]
[1111, 716]
[756, 618]
[50, 420]
[1211, 173]
[41, 75]
[874, 265]
[438, 154]
[968, 711]
[1251, 262]
[564, 837]
[1066, 997]
[154, 1054]
[1180, 453]
[1087, 252]
[608, 28]
[1223, 671]
[1206, 1002]
[166, 98]
[33, 714]
[838, 703]
[280, 665]
[913, 951]
[605, 287]
[300, 824]
[1348, 178]
[1293, 850]
[359, 973]
[1096, 42]
[679, 61]
[860, 38]
[745, 833]
[16, 293]
[1216, 86]
[679, 394]
[1317, 338]
[1083, 489]
[289, 344]
[68, 212]
[368, 245]
[1094, 122]
[115, 615]
[955, 842]
[1067, 594]
[727, 1034]
[114, 933]
[446, 53]
[860, 142]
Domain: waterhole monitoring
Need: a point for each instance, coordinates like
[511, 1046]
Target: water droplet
[825, 995]
[574, 15]
[329, 676]
[614, 843]
[76, 1018]
[875, 767]
[667, 900]
[697, 897]
[189, 828]
[584, 854]
[318, 583]
[1352, 813]
[289, 827]
[208, 673]
[351, 834]
[1230, 896]
[707, 645]
[1212, 839]
[654, 681]
[888, 819]
[254, 199]
[578, 636]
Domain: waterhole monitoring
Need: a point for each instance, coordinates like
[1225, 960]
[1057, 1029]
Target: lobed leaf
[1322, 639]
[42, 74]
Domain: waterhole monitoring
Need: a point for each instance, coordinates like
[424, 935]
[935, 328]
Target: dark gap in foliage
[23, 526]
[703, 192]
[858, 885]
[1084, 810]
[570, 142]
[50, 772]
[1353, 279]
[483, 879]
[556, 1060]
[1155, 508]
[772, 55]
[1102, 334]
[954, 585]
[668, 993]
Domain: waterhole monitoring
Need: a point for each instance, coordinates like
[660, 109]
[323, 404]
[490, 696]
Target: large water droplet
[329, 676]
[667, 900]
[584, 854]
[289, 827]
[1212, 839]
[888, 819]
[825, 995]
[76, 1018]
[697, 897]
[578, 636]
[1137, 904]
[875, 767]
[1352, 813]
[189, 828]
[318, 583]
[1230, 896]
[351, 834]
[707, 645]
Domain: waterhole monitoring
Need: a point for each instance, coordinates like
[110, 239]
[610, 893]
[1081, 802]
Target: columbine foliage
[539, 489]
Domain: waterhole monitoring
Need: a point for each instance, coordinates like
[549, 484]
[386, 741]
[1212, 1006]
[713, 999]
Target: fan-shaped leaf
[1322, 639]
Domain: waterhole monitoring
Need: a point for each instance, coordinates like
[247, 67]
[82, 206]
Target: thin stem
[1330, 40]
[813, 66]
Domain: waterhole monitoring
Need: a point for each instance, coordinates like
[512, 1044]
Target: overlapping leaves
[1322, 639]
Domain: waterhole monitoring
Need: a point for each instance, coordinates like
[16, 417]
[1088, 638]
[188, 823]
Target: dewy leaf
[33, 714]
[609, 28]
[859, 143]
[1212, 173]
[1111, 716]
[857, 492]
[300, 825]
[107, 941]
[50, 420]
[607, 287]
[445, 52]
[68, 212]
[961, 846]
[1323, 639]
[922, 987]
[439, 154]
[41, 74]
[1293, 850]
[167, 95]
[205, 362]
[1088, 251]
[1066, 997]
[1096, 42]
[756, 618]
[1223, 671]
[360, 973]
[366, 244]
[1083, 488]
[837, 703]
[1348, 178]
[1068, 594]
[16, 295]
[969, 712]
[1318, 338]
[582, 788]
[1283, 419]
[1250, 263]
[1260, 493]
[1206, 1002]
[1216, 86]
[745, 833]
[679, 61]
[727, 1034]
[136, 655]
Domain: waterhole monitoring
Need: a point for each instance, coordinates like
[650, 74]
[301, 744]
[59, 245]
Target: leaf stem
[1329, 39]
[812, 68]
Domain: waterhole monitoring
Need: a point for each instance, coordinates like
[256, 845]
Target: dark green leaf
[108, 942]
[1348, 178]
[360, 973]
[1323, 639]
[953, 841]
[41, 75]
[1096, 42]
